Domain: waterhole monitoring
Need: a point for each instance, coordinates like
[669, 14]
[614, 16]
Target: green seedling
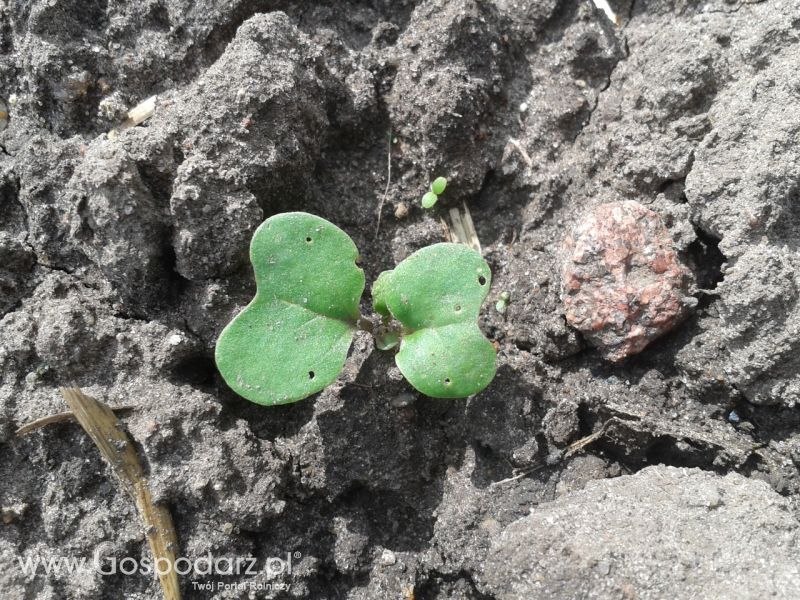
[292, 340]
[429, 199]
[437, 188]
[436, 294]
[502, 303]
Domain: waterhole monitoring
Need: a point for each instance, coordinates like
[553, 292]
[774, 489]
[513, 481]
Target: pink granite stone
[623, 284]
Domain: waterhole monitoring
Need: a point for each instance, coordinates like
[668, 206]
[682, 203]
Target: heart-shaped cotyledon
[436, 294]
[292, 339]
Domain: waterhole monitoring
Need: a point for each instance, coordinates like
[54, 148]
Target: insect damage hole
[458, 308]
[311, 374]
[308, 240]
[482, 280]
[447, 381]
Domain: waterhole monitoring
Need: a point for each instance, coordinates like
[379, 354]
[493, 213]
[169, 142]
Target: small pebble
[388, 558]
[604, 567]
[3, 114]
[12, 513]
[623, 284]
[394, 374]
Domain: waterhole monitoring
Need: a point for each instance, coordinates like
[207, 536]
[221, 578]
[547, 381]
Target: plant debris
[461, 229]
[58, 418]
[137, 115]
[604, 6]
[114, 444]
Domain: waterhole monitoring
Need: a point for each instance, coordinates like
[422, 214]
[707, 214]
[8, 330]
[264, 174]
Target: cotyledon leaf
[452, 361]
[292, 340]
[436, 293]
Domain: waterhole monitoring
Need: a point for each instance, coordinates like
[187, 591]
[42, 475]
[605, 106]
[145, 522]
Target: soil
[124, 255]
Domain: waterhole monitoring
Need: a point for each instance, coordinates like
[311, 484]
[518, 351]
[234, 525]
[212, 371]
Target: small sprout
[502, 303]
[437, 187]
[429, 199]
[387, 340]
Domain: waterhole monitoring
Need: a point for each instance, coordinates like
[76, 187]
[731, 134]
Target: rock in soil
[623, 284]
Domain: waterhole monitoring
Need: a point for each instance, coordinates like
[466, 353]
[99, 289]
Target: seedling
[437, 188]
[429, 199]
[292, 340]
[436, 294]
[502, 303]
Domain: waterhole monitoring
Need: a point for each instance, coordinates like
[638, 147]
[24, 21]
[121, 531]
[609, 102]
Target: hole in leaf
[447, 381]
[311, 374]
[308, 240]
[458, 308]
[482, 280]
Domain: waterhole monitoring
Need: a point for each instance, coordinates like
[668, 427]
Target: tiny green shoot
[429, 199]
[502, 303]
[437, 188]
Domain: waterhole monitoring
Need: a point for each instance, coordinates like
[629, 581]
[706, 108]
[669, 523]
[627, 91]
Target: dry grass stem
[106, 432]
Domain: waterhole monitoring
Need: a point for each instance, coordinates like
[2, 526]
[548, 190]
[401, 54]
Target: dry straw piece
[137, 115]
[461, 229]
[57, 418]
[116, 447]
